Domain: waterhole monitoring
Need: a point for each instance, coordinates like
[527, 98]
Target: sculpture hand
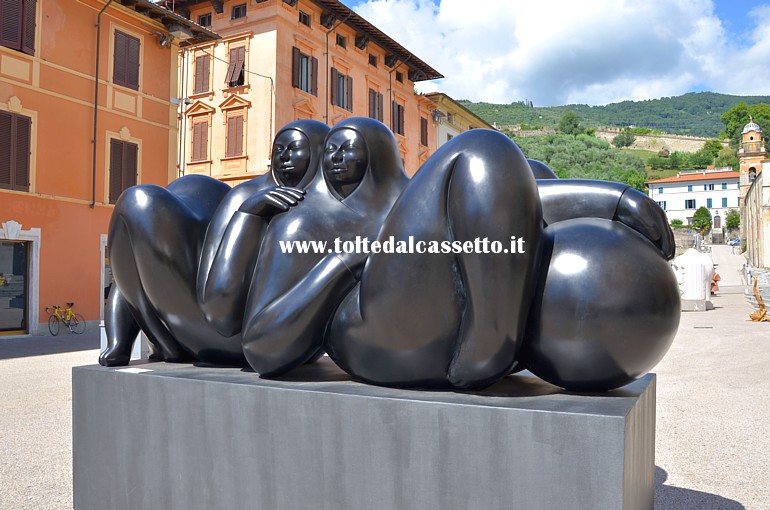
[269, 202]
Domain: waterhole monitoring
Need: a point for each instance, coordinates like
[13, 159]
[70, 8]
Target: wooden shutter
[119, 58]
[239, 70]
[372, 104]
[380, 106]
[333, 86]
[295, 70]
[201, 74]
[423, 131]
[314, 76]
[400, 120]
[116, 170]
[132, 64]
[349, 102]
[130, 160]
[6, 148]
[234, 135]
[11, 23]
[28, 31]
[23, 128]
[200, 141]
[394, 117]
[231, 66]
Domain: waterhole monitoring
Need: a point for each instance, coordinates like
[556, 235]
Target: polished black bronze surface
[294, 295]
[441, 318]
[486, 263]
[183, 257]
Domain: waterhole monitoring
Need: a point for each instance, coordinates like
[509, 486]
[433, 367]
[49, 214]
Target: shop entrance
[14, 287]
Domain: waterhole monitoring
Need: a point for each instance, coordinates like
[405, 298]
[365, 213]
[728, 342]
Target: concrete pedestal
[182, 437]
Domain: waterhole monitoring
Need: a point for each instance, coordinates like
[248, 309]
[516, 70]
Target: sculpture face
[291, 157]
[345, 160]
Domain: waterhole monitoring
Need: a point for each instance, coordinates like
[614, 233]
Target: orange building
[283, 60]
[56, 184]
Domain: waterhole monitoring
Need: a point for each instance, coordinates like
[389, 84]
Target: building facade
[716, 189]
[283, 60]
[452, 118]
[755, 196]
[63, 161]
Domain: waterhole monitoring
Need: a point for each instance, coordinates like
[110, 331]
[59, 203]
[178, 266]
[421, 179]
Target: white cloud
[562, 51]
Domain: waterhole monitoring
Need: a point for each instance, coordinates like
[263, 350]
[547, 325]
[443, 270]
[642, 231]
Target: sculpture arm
[223, 289]
[285, 333]
[566, 199]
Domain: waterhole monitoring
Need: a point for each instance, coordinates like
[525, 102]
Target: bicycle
[74, 322]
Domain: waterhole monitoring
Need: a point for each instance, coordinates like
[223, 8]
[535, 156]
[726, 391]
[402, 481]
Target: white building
[717, 189]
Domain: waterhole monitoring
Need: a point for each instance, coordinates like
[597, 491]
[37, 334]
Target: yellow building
[452, 118]
[70, 143]
[283, 60]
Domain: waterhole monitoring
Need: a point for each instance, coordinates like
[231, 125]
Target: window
[123, 165]
[373, 60]
[397, 118]
[724, 185]
[18, 25]
[304, 18]
[709, 203]
[660, 190]
[724, 201]
[234, 136]
[235, 71]
[399, 77]
[689, 204]
[304, 72]
[126, 61]
[200, 140]
[423, 131]
[239, 11]
[342, 41]
[708, 187]
[375, 104]
[204, 20]
[662, 204]
[689, 187]
[15, 146]
[202, 68]
[341, 90]
[450, 118]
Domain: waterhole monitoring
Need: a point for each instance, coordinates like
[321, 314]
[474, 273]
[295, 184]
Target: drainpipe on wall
[96, 98]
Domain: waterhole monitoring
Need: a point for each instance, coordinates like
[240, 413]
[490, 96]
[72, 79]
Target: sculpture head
[296, 152]
[361, 159]
[345, 160]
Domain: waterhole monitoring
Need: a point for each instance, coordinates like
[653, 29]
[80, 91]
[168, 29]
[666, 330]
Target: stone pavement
[712, 436]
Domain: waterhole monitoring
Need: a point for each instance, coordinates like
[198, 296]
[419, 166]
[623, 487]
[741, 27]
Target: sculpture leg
[121, 329]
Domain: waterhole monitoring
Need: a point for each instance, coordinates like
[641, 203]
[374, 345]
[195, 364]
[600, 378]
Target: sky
[557, 52]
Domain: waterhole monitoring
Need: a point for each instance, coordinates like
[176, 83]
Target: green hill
[695, 113]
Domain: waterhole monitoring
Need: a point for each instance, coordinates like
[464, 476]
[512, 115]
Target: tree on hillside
[727, 158]
[570, 124]
[733, 219]
[712, 148]
[741, 114]
[625, 139]
[701, 221]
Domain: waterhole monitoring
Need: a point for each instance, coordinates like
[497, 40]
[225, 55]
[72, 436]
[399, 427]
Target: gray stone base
[179, 437]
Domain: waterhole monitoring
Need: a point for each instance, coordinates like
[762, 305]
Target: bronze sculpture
[452, 319]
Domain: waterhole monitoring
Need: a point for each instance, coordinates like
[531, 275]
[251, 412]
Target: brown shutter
[204, 148]
[372, 104]
[28, 32]
[314, 76]
[232, 136]
[116, 169]
[393, 117]
[206, 73]
[400, 120]
[6, 148]
[231, 66]
[196, 141]
[119, 59]
[23, 131]
[349, 104]
[295, 72]
[131, 156]
[333, 86]
[380, 106]
[239, 135]
[132, 73]
[199, 74]
[424, 131]
[11, 23]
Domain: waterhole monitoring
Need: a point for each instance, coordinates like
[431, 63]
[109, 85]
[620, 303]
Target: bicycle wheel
[53, 325]
[78, 324]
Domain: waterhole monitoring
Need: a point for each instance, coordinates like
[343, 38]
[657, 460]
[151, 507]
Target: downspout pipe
[96, 98]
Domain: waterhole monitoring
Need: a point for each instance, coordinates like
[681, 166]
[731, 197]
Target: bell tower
[750, 154]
